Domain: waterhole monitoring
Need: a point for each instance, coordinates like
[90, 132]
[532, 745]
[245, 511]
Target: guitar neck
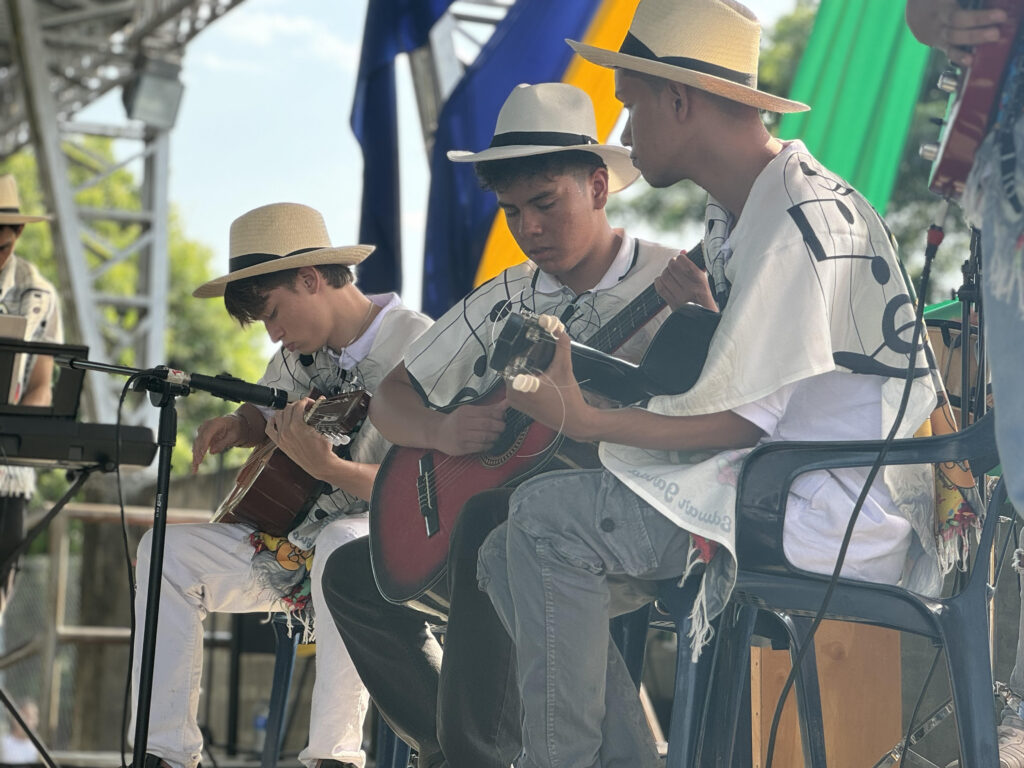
[646, 305]
[617, 331]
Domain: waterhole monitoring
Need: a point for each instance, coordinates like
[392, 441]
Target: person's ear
[679, 98]
[599, 187]
[308, 278]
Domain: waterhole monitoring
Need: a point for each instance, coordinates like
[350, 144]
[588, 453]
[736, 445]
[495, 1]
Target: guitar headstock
[525, 347]
[339, 416]
[973, 103]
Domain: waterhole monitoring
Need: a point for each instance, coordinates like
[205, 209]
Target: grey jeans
[579, 548]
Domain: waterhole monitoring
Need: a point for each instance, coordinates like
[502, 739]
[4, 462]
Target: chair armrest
[770, 469]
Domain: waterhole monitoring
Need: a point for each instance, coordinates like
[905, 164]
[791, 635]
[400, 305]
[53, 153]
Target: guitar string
[640, 307]
[453, 467]
[441, 479]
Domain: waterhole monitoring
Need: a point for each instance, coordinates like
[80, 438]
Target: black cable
[126, 701]
[935, 236]
[905, 745]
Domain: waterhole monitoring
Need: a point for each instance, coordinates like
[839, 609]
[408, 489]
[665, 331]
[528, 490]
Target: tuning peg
[948, 81]
[929, 151]
[525, 382]
[550, 323]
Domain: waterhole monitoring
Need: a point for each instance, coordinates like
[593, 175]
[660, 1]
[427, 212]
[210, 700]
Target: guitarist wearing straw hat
[994, 201]
[813, 343]
[552, 180]
[24, 292]
[285, 274]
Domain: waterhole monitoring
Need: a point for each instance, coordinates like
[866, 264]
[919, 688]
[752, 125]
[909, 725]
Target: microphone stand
[164, 385]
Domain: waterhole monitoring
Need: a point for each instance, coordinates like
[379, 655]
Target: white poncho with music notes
[813, 285]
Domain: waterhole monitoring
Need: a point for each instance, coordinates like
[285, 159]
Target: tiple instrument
[272, 493]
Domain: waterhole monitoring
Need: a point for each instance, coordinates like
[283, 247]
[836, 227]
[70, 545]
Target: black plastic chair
[766, 581]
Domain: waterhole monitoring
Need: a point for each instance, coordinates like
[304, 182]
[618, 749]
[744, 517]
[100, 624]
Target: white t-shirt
[820, 503]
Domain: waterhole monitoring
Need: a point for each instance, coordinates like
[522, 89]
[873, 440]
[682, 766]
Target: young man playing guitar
[552, 180]
[994, 201]
[285, 274]
[807, 278]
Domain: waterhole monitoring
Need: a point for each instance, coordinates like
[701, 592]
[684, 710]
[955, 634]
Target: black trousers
[12, 533]
[459, 709]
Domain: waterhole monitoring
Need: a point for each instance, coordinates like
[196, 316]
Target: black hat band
[246, 260]
[541, 139]
[631, 46]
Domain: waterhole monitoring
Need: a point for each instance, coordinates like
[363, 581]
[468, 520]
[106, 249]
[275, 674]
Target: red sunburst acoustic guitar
[419, 493]
[272, 492]
[975, 95]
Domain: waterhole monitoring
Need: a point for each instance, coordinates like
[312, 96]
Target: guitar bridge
[427, 496]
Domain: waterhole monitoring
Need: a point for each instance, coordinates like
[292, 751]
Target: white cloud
[217, 63]
[302, 35]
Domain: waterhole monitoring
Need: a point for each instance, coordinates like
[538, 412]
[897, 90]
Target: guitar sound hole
[505, 448]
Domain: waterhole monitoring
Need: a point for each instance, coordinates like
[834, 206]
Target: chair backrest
[769, 472]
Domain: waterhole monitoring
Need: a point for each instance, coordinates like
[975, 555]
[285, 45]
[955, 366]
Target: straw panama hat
[551, 117]
[276, 237]
[10, 204]
[709, 44]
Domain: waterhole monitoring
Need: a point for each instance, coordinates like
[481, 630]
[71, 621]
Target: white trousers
[206, 569]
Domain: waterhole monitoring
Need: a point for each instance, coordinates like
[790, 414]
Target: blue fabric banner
[392, 27]
[528, 46]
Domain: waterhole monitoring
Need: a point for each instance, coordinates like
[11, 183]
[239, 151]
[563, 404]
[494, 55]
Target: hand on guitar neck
[685, 281]
[952, 28]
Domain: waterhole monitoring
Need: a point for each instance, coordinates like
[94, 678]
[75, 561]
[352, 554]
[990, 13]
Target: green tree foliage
[201, 337]
[911, 208]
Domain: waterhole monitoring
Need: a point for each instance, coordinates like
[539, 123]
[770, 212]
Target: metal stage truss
[59, 56]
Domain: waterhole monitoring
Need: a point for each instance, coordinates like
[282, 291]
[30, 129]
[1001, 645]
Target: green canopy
[861, 74]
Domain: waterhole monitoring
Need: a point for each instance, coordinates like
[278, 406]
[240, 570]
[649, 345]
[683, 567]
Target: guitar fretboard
[646, 305]
[626, 322]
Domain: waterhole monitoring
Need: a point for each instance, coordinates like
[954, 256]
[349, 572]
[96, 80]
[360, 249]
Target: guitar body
[418, 493]
[272, 493]
[407, 561]
[971, 106]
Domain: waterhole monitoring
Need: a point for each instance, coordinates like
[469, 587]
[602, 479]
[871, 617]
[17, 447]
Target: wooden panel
[859, 673]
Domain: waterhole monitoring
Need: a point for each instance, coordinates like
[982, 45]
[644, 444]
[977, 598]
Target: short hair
[721, 103]
[497, 175]
[246, 299]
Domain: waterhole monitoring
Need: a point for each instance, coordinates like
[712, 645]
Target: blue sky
[265, 118]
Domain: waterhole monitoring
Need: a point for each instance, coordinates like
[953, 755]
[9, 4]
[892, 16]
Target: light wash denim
[1002, 249]
[579, 548]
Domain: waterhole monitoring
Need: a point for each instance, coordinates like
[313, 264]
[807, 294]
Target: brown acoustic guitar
[272, 493]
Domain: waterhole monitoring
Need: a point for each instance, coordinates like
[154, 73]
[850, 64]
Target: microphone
[226, 387]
